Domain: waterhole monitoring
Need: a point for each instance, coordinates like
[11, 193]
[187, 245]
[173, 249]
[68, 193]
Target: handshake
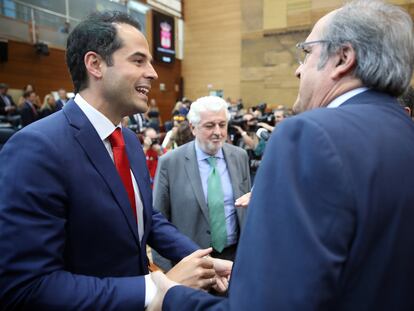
[197, 270]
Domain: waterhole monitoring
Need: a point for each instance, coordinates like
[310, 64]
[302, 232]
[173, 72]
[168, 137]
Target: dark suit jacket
[330, 225]
[59, 104]
[68, 239]
[27, 114]
[3, 104]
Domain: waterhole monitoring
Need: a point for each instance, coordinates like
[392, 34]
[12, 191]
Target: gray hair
[382, 36]
[207, 103]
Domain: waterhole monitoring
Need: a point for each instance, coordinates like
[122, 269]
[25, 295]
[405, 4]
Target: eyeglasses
[302, 49]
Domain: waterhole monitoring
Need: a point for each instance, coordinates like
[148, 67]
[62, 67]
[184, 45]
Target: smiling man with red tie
[75, 199]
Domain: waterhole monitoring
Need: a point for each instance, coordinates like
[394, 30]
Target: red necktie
[122, 165]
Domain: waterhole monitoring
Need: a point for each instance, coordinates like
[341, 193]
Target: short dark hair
[96, 33]
[27, 94]
[407, 99]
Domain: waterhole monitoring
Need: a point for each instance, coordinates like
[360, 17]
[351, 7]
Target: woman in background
[48, 106]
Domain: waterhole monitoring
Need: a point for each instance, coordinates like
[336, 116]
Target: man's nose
[151, 73]
[216, 129]
[297, 72]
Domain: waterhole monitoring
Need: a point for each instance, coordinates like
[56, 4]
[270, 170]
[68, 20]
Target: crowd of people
[29, 107]
[306, 206]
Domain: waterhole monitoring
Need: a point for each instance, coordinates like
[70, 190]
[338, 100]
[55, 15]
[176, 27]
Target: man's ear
[346, 61]
[93, 64]
[408, 110]
[192, 128]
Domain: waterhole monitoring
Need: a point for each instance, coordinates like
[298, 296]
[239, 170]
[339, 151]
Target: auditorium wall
[260, 66]
[212, 47]
[270, 30]
[49, 73]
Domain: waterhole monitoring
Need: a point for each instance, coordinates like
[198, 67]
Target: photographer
[153, 150]
[248, 140]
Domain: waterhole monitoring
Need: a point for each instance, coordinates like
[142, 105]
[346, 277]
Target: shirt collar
[100, 122]
[201, 155]
[344, 97]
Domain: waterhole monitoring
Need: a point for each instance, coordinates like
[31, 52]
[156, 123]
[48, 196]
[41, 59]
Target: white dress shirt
[344, 97]
[104, 128]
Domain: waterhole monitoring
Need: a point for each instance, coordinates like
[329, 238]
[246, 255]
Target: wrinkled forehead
[211, 115]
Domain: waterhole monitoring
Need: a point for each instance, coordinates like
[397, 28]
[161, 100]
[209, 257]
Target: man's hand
[243, 201]
[196, 270]
[266, 126]
[158, 149]
[238, 128]
[223, 271]
[163, 285]
[147, 143]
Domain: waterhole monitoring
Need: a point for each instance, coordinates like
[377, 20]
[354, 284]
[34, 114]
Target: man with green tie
[196, 184]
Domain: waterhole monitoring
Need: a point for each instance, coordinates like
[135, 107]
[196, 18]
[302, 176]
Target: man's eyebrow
[140, 54]
[143, 55]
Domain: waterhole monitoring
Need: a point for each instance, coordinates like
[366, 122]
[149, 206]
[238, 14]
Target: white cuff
[150, 290]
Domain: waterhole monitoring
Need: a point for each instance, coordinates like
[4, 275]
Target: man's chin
[141, 106]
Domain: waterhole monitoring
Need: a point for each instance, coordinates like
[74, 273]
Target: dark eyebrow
[143, 55]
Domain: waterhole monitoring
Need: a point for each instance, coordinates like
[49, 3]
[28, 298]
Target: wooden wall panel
[212, 47]
[49, 73]
[251, 15]
[268, 55]
[274, 14]
[268, 67]
[24, 66]
[170, 76]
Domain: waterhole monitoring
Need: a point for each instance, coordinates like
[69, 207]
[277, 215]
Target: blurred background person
[184, 134]
[63, 98]
[137, 122]
[169, 139]
[7, 105]
[153, 115]
[22, 99]
[48, 107]
[407, 101]
[153, 150]
[29, 112]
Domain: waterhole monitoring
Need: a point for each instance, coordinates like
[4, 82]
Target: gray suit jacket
[178, 193]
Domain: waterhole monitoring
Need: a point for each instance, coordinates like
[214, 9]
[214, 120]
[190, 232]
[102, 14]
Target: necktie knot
[116, 139]
[212, 162]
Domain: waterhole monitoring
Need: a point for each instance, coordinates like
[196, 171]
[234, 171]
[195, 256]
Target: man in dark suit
[7, 105]
[330, 224]
[29, 112]
[137, 122]
[75, 199]
[185, 203]
[62, 99]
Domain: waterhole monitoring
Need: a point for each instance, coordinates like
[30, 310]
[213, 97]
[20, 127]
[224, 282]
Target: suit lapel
[193, 174]
[91, 143]
[139, 168]
[231, 162]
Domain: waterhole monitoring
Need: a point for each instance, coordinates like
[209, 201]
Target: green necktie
[215, 201]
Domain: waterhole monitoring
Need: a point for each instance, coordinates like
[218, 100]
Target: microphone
[263, 134]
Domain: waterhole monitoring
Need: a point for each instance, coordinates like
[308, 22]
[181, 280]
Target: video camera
[155, 141]
[261, 107]
[268, 118]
